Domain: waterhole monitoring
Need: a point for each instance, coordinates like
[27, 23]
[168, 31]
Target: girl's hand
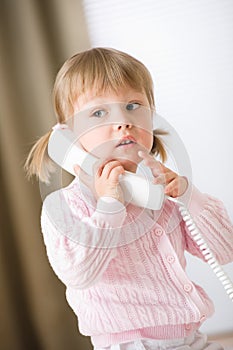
[105, 181]
[175, 185]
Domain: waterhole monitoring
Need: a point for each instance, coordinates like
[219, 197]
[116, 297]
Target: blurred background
[188, 47]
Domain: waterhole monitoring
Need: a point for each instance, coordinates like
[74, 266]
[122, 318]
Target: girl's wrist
[111, 210]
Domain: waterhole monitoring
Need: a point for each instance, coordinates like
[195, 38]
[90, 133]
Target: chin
[128, 165]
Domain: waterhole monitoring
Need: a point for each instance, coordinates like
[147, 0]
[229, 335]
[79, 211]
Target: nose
[122, 126]
[122, 122]
[121, 118]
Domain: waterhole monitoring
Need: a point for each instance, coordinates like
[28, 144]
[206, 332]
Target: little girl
[124, 266]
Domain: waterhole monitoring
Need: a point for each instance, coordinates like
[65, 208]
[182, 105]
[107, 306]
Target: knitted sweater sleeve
[212, 220]
[80, 246]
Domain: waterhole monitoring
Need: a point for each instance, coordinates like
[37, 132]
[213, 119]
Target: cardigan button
[187, 287]
[170, 259]
[158, 232]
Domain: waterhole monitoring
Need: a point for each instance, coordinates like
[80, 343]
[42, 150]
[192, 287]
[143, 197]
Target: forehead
[125, 94]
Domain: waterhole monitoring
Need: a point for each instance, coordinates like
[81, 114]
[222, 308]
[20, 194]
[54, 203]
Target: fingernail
[76, 168]
[140, 153]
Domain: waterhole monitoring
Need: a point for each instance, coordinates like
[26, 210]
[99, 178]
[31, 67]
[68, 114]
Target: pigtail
[38, 161]
[158, 147]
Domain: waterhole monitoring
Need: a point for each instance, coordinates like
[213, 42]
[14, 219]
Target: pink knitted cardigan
[124, 267]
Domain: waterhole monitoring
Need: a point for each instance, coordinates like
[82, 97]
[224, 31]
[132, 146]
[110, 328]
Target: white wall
[188, 47]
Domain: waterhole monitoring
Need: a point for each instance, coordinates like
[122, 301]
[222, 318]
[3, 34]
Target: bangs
[100, 70]
[103, 71]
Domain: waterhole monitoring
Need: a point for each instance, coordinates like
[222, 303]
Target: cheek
[146, 132]
[94, 138]
[146, 139]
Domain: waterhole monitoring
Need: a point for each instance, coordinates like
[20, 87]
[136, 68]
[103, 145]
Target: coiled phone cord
[205, 250]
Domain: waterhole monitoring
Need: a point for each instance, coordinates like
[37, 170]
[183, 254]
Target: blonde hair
[98, 69]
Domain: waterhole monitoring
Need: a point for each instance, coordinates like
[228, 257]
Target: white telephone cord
[205, 250]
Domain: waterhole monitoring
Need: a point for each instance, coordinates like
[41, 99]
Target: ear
[153, 148]
[158, 147]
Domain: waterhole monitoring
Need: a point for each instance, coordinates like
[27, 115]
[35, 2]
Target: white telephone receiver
[63, 149]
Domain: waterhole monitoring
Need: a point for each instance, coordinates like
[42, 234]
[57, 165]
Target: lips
[128, 140]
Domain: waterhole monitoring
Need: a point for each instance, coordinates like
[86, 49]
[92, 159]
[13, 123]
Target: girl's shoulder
[72, 200]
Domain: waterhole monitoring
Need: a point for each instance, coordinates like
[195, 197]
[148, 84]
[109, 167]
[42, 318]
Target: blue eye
[132, 106]
[99, 113]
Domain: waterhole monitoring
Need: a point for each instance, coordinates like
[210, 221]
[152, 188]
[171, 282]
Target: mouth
[126, 141]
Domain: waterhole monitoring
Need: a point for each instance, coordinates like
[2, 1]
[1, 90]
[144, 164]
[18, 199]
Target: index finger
[156, 166]
[106, 168]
